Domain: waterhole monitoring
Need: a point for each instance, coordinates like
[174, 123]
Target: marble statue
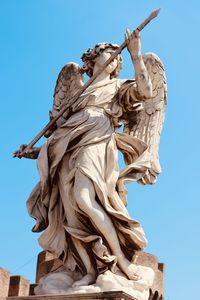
[80, 201]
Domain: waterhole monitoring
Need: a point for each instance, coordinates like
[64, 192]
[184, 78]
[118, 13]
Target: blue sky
[37, 38]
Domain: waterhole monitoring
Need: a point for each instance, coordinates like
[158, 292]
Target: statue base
[53, 282]
[116, 295]
[115, 286]
[60, 283]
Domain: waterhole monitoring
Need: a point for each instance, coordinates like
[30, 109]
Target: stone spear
[76, 99]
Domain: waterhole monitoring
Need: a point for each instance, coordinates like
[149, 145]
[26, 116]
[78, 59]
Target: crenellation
[4, 282]
[19, 286]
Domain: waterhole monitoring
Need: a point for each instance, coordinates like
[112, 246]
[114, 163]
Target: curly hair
[91, 54]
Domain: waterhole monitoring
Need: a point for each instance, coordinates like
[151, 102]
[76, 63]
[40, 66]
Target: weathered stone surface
[4, 282]
[46, 263]
[19, 286]
[147, 260]
[158, 284]
[62, 283]
[45, 256]
[31, 289]
[117, 295]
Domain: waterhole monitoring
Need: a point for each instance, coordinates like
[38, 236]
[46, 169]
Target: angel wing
[145, 121]
[70, 80]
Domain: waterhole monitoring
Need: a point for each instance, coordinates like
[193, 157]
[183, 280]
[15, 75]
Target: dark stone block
[19, 286]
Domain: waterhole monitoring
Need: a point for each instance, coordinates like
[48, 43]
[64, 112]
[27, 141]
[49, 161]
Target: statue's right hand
[19, 153]
[27, 153]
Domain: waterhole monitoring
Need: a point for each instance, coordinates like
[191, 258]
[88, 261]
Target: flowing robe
[87, 142]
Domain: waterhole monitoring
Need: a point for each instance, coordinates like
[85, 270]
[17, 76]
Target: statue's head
[91, 56]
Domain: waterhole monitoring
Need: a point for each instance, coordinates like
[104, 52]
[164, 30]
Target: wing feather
[68, 83]
[150, 119]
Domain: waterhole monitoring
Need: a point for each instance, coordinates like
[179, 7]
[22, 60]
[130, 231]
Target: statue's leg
[84, 193]
[91, 275]
[73, 222]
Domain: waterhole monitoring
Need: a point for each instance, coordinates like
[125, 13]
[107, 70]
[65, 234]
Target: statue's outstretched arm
[143, 80]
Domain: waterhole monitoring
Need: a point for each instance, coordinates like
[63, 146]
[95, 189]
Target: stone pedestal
[117, 295]
[46, 263]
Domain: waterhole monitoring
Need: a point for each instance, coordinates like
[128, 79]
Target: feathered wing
[68, 83]
[144, 118]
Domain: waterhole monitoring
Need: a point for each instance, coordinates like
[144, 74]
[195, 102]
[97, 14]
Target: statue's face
[103, 57]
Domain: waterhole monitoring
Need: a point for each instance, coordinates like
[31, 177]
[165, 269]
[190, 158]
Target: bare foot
[130, 269]
[86, 280]
[133, 272]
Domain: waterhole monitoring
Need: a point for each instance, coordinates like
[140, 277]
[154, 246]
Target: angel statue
[80, 201]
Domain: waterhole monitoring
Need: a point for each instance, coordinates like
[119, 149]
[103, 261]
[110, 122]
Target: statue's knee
[82, 198]
[83, 192]
[83, 204]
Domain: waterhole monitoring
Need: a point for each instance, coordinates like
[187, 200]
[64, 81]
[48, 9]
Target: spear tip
[155, 13]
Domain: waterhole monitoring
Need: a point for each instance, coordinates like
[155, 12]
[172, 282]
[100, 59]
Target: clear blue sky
[37, 38]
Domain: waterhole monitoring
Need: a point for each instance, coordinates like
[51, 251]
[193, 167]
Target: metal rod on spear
[76, 99]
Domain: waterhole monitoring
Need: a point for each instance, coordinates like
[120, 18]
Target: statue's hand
[133, 43]
[27, 153]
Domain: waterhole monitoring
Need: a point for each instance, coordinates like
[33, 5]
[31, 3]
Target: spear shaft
[76, 99]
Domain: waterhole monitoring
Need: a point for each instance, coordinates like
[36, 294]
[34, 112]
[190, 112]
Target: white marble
[62, 283]
[80, 201]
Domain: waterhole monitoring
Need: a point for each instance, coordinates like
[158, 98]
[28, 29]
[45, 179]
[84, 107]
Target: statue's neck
[98, 85]
[101, 83]
[103, 77]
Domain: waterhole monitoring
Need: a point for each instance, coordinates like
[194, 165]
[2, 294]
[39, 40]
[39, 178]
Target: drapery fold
[87, 142]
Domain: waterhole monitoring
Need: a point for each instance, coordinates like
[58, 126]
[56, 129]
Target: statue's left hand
[29, 153]
[133, 42]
